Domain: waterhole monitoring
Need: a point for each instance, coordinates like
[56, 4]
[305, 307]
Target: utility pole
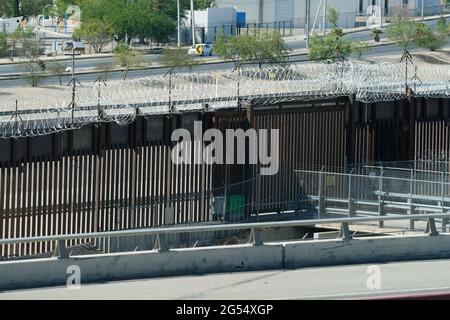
[179, 23]
[261, 12]
[325, 4]
[308, 9]
[193, 23]
[380, 2]
[423, 8]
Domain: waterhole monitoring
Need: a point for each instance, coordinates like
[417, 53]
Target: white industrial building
[270, 11]
[214, 20]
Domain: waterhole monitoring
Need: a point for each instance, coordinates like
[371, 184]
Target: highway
[107, 61]
[406, 279]
[381, 50]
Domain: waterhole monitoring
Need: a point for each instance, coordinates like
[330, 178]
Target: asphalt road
[343, 282]
[388, 49]
[96, 62]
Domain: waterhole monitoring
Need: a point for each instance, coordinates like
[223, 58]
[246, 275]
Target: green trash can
[235, 208]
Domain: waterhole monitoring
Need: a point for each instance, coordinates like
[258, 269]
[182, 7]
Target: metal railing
[372, 194]
[255, 236]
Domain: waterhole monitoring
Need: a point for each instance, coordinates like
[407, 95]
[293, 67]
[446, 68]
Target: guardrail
[358, 194]
[255, 236]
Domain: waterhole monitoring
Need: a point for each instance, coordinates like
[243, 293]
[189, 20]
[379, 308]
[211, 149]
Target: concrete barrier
[53, 272]
[366, 250]
[236, 258]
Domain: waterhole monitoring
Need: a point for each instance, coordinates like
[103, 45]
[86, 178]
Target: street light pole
[325, 4]
[423, 13]
[193, 23]
[308, 8]
[179, 23]
[381, 13]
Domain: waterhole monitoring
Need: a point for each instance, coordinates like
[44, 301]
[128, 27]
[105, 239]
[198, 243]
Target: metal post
[345, 230]
[321, 195]
[193, 23]
[61, 252]
[444, 222]
[423, 10]
[351, 205]
[324, 27]
[261, 11]
[179, 23]
[73, 65]
[380, 198]
[255, 237]
[432, 227]
[381, 13]
[308, 8]
[74, 85]
[411, 205]
[161, 243]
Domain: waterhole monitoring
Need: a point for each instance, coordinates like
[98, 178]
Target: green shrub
[3, 45]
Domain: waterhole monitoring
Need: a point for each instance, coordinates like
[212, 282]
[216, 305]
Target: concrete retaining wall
[366, 250]
[53, 272]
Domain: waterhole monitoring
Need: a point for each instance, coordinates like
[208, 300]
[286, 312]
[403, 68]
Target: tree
[14, 38]
[58, 69]
[6, 8]
[432, 40]
[30, 47]
[143, 19]
[235, 49]
[333, 16]
[332, 47]
[60, 6]
[376, 34]
[96, 33]
[159, 29]
[3, 45]
[33, 7]
[16, 8]
[126, 57]
[268, 48]
[407, 33]
[32, 73]
[175, 58]
[169, 7]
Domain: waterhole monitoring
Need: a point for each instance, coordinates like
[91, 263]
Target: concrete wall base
[108, 267]
[147, 264]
